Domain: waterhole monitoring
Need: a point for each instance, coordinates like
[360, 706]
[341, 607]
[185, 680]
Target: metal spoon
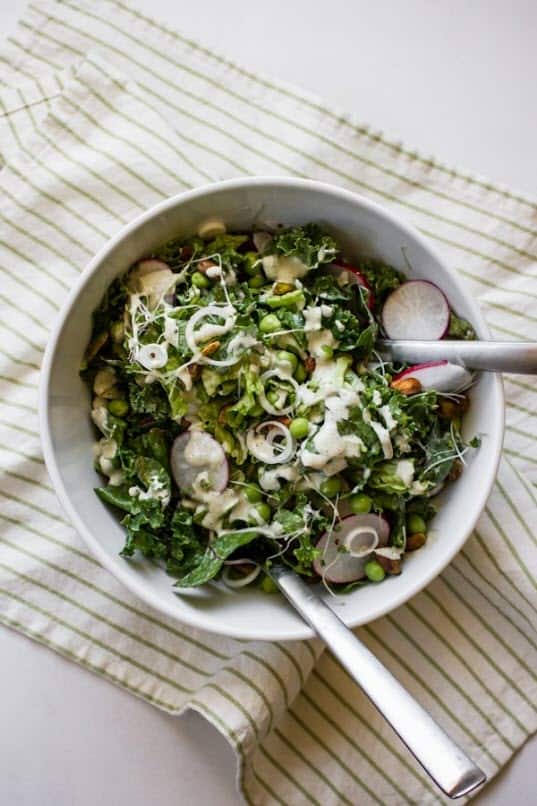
[440, 757]
[494, 356]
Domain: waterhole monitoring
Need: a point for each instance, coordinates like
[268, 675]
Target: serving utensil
[491, 356]
[447, 764]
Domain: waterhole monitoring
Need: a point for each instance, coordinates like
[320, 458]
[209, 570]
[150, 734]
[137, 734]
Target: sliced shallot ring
[276, 458]
[366, 548]
[209, 310]
[239, 582]
[275, 373]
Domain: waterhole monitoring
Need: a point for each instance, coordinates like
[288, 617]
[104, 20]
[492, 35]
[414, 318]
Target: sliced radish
[336, 563]
[149, 265]
[354, 277]
[438, 376]
[194, 452]
[416, 310]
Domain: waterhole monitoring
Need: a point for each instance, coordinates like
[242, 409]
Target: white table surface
[454, 79]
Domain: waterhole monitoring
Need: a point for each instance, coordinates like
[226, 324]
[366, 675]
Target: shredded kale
[295, 352]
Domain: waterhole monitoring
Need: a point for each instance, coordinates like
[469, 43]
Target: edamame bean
[269, 323]
[374, 571]
[253, 494]
[285, 357]
[300, 373]
[199, 280]
[415, 524]
[264, 511]
[360, 503]
[118, 408]
[331, 487]
[299, 428]
[268, 586]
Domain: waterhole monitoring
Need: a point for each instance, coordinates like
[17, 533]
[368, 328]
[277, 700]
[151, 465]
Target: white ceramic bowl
[362, 228]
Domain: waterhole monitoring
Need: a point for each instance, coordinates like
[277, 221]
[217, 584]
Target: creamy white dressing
[211, 331]
[107, 448]
[319, 339]
[335, 466]
[283, 269]
[405, 470]
[388, 417]
[213, 272]
[219, 504]
[99, 415]
[418, 488]
[377, 398]
[312, 318]
[171, 331]
[269, 479]
[156, 491]
[116, 478]
[185, 377]
[402, 443]
[328, 444]
[106, 465]
[245, 511]
[384, 438]
[202, 450]
[327, 311]
[240, 342]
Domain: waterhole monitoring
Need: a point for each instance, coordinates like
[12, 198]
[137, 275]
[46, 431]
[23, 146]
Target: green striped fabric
[103, 113]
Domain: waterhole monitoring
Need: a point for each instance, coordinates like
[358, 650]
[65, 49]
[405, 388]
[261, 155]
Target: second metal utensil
[492, 356]
[440, 757]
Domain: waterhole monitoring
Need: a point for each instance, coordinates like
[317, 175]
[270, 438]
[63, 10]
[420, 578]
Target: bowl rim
[139, 587]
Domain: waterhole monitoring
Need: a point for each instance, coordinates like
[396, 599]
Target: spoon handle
[494, 356]
[441, 758]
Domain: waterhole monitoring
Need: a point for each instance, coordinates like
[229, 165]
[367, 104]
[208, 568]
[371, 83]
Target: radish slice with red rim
[417, 309]
[438, 376]
[336, 564]
[194, 452]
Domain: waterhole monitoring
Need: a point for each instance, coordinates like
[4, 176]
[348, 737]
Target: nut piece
[194, 370]
[222, 414]
[104, 380]
[95, 346]
[210, 348]
[282, 288]
[205, 264]
[211, 228]
[448, 409]
[451, 409]
[456, 470]
[392, 567]
[407, 386]
[416, 541]
[309, 364]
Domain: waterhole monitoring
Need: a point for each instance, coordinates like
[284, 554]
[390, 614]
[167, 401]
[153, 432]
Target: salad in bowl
[244, 413]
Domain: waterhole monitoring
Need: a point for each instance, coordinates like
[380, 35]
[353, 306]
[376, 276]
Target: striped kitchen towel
[103, 113]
